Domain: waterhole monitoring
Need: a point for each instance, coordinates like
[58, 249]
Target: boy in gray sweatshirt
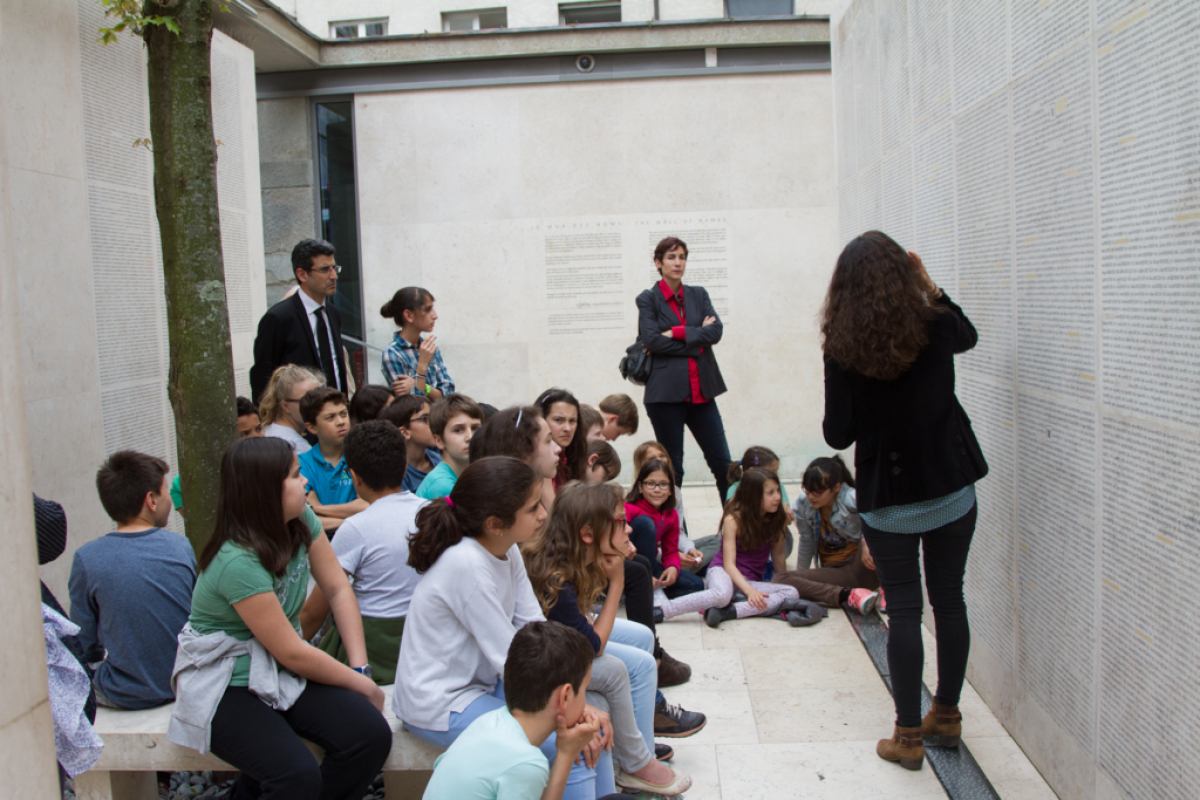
[131, 591]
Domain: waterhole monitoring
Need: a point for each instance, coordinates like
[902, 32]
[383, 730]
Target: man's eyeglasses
[661, 487]
[334, 268]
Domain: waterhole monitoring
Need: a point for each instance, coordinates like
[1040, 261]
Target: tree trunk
[200, 382]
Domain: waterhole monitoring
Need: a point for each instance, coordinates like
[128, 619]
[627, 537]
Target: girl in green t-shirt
[253, 579]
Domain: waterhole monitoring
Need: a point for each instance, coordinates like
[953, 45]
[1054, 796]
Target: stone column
[27, 763]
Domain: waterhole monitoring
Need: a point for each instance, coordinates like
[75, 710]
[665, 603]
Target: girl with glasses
[654, 523]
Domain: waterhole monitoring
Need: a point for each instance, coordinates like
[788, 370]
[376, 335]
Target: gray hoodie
[203, 669]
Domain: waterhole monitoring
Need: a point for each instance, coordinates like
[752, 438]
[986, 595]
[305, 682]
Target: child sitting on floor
[620, 416]
[410, 414]
[453, 421]
[650, 508]
[603, 464]
[330, 487]
[752, 529]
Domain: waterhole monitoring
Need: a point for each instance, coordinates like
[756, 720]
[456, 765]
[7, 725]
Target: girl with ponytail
[413, 365]
[473, 598]
[831, 531]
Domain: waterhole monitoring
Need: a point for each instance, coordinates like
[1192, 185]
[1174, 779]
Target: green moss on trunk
[200, 383]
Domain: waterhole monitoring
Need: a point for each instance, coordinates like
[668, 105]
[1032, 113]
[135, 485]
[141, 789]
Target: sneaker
[673, 722]
[663, 752]
[881, 606]
[658, 616]
[672, 672]
[862, 600]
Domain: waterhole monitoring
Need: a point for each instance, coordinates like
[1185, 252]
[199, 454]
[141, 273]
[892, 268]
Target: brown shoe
[944, 722]
[672, 672]
[905, 746]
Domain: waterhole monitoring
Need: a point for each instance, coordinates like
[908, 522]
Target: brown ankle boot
[905, 746]
[945, 722]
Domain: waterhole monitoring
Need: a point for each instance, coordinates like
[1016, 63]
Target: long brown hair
[558, 554]
[649, 467]
[490, 487]
[575, 454]
[755, 528]
[250, 505]
[509, 432]
[875, 318]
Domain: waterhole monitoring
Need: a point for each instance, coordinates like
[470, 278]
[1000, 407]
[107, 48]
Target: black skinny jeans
[265, 744]
[704, 421]
[897, 562]
[639, 596]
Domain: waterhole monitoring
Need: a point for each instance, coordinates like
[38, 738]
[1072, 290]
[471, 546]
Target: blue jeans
[645, 538]
[634, 645]
[582, 783]
[704, 421]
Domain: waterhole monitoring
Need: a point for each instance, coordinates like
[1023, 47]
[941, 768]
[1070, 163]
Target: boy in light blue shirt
[497, 758]
[330, 488]
[453, 421]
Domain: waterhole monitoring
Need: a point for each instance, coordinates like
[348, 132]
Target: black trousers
[265, 744]
[898, 565]
[639, 596]
[704, 421]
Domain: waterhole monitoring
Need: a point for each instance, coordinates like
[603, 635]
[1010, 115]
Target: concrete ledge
[136, 746]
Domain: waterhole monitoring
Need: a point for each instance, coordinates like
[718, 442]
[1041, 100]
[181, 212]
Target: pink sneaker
[862, 600]
[881, 606]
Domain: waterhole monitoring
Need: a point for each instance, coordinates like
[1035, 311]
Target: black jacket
[285, 337]
[914, 440]
[669, 381]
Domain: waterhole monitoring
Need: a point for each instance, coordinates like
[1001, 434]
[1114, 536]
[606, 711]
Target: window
[480, 20]
[358, 29]
[589, 13]
[758, 8]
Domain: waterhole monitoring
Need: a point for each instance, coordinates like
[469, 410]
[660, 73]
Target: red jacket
[666, 530]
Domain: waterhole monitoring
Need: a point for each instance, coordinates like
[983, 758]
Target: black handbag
[636, 365]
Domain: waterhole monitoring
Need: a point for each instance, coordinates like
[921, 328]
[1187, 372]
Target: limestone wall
[530, 212]
[1041, 157]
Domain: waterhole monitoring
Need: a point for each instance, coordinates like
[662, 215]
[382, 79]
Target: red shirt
[666, 530]
[675, 301]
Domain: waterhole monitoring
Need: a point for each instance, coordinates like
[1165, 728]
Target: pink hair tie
[449, 502]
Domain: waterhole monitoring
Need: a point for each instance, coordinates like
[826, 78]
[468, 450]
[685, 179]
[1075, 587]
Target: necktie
[325, 350]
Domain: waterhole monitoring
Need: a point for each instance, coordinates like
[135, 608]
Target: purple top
[751, 563]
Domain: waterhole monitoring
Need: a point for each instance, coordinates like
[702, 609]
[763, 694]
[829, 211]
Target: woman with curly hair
[890, 337]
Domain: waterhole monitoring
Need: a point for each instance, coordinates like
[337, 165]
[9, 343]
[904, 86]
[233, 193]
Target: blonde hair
[559, 555]
[639, 454]
[283, 381]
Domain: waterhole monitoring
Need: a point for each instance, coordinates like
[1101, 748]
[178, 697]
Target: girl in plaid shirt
[413, 365]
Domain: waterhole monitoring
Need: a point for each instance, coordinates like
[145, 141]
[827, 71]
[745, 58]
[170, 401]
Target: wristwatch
[364, 670]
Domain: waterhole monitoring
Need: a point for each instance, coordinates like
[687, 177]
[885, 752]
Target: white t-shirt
[289, 435]
[372, 546]
[460, 623]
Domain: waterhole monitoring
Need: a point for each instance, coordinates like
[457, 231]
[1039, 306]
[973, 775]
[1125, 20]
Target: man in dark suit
[303, 329]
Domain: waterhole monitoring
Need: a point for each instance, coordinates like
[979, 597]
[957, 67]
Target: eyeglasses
[424, 419]
[334, 268]
[660, 487]
[619, 521]
[816, 492]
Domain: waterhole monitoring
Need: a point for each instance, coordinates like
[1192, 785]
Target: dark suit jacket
[285, 337]
[914, 440]
[669, 381]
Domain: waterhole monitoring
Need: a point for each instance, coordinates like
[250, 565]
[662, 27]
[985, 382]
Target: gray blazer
[669, 382]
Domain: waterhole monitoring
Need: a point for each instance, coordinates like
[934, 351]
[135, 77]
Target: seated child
[473, 597]
[693, 556]
[650, 508]
[591, 423]
[453, 421]
[603, 464]
[577, 555]
[545, 676]
[280, 404]
[751, 530]
[330, 487]
[368, 401]
[758, 456]
[372, 547]
[131, 591]
[563, 415]
[521, 432]
[249, 426]
[620, 416]
[410, 414]
[249, 688]
[830, 530]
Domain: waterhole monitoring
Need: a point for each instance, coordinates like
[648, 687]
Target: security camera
[585, 63]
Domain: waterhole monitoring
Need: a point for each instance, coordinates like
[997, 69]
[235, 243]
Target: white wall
[1042, 158]
[85, 247]
[459, 189]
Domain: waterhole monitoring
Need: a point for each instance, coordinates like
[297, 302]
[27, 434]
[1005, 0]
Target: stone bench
[136, 747]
